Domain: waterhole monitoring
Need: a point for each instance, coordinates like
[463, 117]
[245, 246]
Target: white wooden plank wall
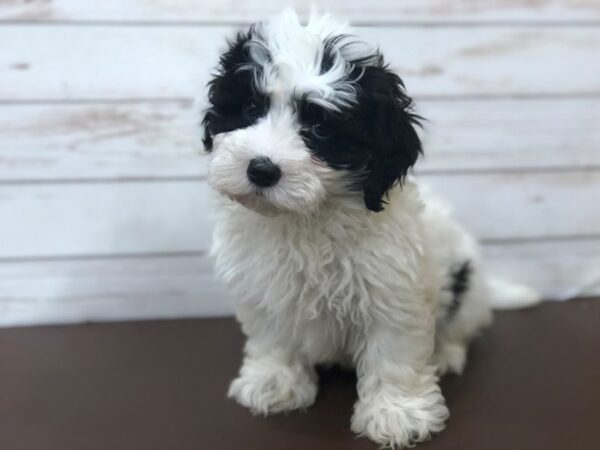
[104, 209]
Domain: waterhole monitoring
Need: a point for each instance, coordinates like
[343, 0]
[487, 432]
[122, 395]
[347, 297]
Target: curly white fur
[352, 287]
[320, 279]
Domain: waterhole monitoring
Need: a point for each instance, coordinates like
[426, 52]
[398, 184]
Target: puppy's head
[303, 113]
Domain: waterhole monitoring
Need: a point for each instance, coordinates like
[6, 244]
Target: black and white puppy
[333, 255]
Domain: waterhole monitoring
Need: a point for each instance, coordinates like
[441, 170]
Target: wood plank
[104, 218]
[109, 289]
[523, 205]
[507, 134]
[59, 291]
[384, 11]
[74, 62]
[76, 219]
[560, 270]
[161, 139]
[100, 141]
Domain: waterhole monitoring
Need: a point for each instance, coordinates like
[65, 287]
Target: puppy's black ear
[395, 144]
[207, 137]
[231, 88]
[224, 85]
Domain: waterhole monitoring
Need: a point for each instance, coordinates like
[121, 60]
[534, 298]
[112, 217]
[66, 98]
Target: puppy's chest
[325, 264]
[330, 269]
[322, 268]
[326, 305]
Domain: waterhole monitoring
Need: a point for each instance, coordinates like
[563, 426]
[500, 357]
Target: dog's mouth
[255, 202]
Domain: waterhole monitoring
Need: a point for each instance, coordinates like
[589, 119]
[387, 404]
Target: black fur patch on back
[460, 284]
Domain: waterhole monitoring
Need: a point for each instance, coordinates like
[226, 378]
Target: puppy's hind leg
[464, 311]
[450, 356]
[273, 380]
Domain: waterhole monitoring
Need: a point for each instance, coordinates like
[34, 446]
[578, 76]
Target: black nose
[263, 172]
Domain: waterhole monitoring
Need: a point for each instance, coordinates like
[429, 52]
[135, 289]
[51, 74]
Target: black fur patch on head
[330, 50]
[375, 138]
[337, 137]
[460, 284]
[234, 101]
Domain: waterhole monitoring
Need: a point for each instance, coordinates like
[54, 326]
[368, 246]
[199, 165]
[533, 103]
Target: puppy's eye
[320, 131]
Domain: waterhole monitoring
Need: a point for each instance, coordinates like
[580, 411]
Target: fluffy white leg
[506, 295]
[273, 382]
[400, 402]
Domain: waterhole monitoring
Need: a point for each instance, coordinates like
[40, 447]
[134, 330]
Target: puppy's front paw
[399, 421]
[267, 389]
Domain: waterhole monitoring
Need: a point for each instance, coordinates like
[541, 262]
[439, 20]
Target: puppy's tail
[507, 295]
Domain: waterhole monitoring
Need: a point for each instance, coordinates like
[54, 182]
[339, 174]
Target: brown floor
[533, 382]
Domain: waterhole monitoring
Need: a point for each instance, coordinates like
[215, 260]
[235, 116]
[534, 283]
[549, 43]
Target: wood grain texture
[560, 270]
[74, 63]
[62, 291]
[523, 205]
[104, 213]
[386, 11]
[161, 139]
[104, 218]
[109, 289]
[100, 141]
[78, 219]
[509, 134]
